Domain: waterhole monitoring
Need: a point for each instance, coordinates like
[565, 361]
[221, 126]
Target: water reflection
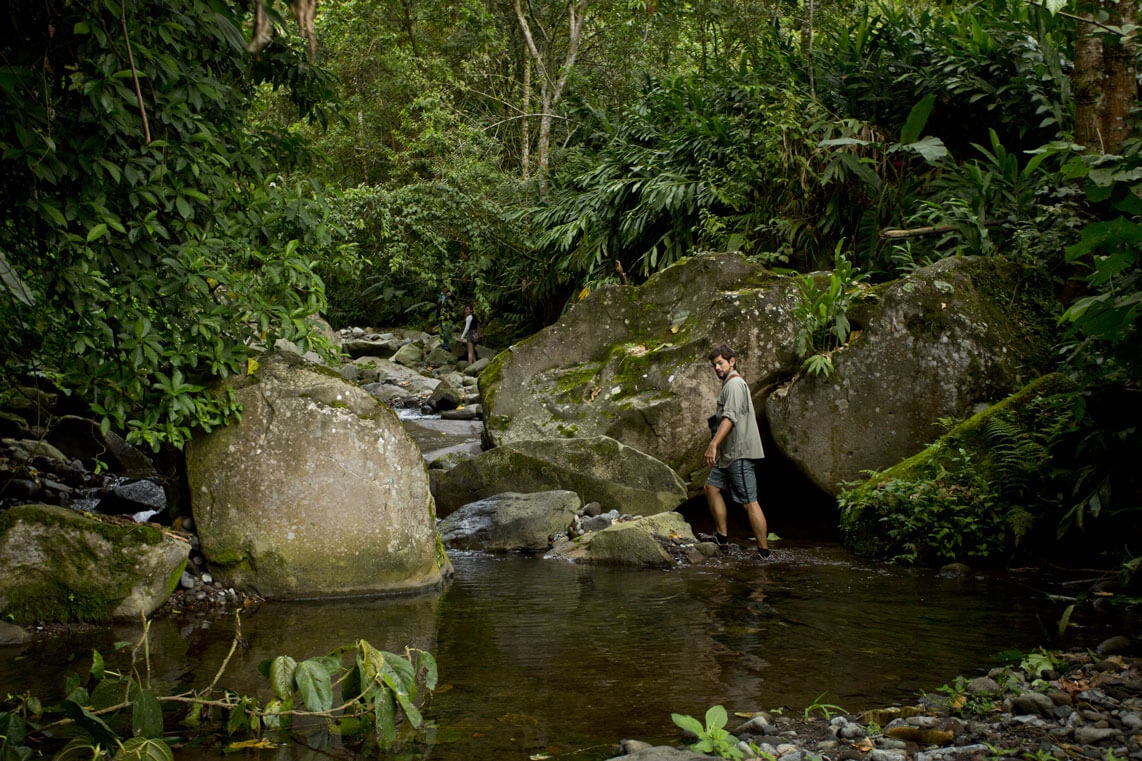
[541, 656]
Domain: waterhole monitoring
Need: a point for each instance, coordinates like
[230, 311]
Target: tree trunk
[551, 88]
[1105, 76]
[1120, 57]
[525, 127]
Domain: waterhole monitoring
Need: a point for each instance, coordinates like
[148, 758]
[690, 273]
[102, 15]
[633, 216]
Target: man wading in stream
[737, 436]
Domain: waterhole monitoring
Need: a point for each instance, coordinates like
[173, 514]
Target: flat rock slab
[638, 542]
[598, 469]
[511, 521]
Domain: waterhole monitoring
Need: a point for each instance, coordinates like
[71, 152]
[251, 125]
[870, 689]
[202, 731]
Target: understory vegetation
[175, 199]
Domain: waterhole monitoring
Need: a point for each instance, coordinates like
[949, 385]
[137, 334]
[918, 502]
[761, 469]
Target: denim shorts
[739, 477]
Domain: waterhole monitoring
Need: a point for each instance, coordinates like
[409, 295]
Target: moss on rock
[61, 565]
[974, 494]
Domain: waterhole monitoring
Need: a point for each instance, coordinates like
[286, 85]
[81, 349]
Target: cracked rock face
[317, 491]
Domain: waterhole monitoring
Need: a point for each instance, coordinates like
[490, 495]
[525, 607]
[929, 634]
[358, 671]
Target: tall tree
[554, 64]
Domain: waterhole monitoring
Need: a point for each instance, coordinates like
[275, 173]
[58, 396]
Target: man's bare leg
[717, 508]
[756, 522]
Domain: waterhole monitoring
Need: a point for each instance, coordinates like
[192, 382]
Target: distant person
[442, 318]
[471, 332]
[735, 432]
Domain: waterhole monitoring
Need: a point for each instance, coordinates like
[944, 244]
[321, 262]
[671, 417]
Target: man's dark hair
[723, 351]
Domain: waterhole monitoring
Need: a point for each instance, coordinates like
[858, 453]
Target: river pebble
[1018, 719]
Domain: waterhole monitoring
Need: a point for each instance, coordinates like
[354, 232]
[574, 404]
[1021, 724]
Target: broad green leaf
[144, 749]
[917, 119]
[97, 667]
[94, 725]
[96, 232]
[146, 715]
[314, 685]
[688, 723]
[716, 717]
[13, 728]
[428, 663]
[930, 148]
[385, 714]
[14, 284]
[281, 676]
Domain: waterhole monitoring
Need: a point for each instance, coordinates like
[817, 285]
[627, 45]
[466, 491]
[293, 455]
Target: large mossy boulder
[58, 564]
[318, 490]
[638, 542]
[511, 521]
[630, 362]
[598, 469]
[952, 337]
[984, 487]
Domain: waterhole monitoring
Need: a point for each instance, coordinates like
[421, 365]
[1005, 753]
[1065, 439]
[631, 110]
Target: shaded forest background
[182, 181]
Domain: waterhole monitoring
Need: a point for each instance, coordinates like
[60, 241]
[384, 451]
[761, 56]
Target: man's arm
[724, 427]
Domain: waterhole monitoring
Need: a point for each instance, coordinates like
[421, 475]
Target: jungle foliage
[154, 232]
[149, 237]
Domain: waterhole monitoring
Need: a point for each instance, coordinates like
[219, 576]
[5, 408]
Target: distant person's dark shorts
[739, 477]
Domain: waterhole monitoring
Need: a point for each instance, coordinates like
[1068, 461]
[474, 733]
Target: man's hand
[711, 454]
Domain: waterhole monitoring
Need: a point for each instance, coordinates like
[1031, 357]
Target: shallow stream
[542, 657]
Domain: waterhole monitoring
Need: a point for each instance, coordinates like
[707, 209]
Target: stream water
[541, 656]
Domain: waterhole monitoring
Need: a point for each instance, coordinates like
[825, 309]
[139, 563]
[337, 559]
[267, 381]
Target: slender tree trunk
[525, 127]
[807, 42]
[551, 88]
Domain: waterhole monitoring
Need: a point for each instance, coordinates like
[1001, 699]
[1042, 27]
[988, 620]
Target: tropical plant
[982, 490]
[117, 712]
[712, 737]
[822, 315]
[825, 709]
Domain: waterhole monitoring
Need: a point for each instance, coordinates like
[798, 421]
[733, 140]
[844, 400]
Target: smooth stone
[477, 367]
[754, 726]
[982, 684]
[1113, 645]
[1032, 703]
[596, 523]
[1095, 735]
[886, 755]
[186, 581]
[11, 634]
[467, 412]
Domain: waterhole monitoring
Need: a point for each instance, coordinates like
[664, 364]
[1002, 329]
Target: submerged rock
[598, 468]
[510, 521]
[57, 564]
[318, 490]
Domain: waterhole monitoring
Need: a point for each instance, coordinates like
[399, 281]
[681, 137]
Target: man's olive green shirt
[744, 439]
